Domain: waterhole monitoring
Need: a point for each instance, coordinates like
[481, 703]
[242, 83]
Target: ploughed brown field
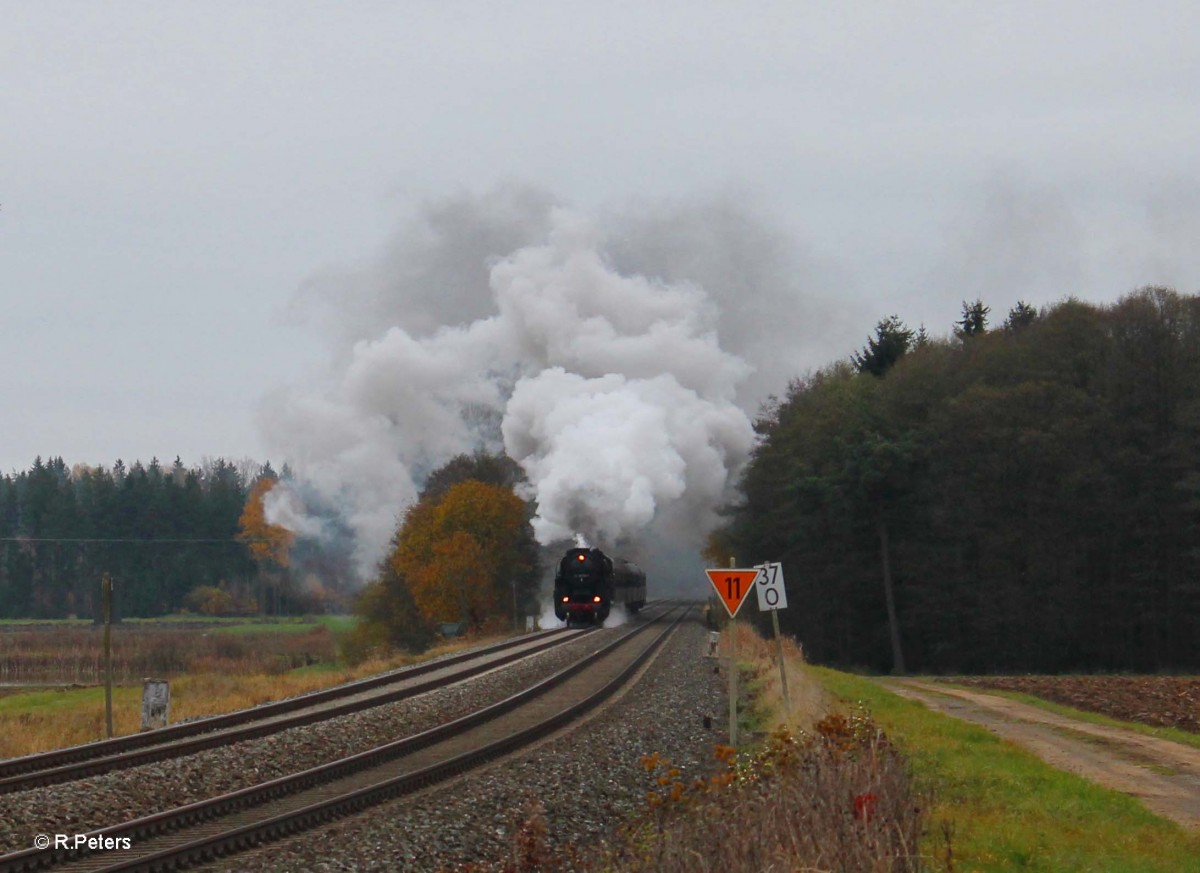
[1162, 701]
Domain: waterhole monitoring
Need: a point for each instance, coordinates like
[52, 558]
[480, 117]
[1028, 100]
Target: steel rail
[78, 762]
[205, 848]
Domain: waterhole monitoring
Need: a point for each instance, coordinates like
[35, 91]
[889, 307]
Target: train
[588, 583]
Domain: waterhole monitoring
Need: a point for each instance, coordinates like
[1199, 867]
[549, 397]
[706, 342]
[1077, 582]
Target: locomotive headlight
[596, 599]
[580, 558]
[565, 599]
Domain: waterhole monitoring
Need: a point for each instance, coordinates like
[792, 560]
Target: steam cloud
[606, 384]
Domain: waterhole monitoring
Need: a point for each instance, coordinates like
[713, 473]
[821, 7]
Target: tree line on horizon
[172, 539]
[1023, 498]
[197, 540]
[1019, 497]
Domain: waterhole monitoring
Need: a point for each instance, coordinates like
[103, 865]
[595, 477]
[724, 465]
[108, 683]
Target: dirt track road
[1164, 775]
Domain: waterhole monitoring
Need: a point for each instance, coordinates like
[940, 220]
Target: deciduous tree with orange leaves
[462, 554]
[268, 543]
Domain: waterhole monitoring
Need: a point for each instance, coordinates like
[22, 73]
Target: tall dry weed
[75, 656]
[838, 799]
[758, 658]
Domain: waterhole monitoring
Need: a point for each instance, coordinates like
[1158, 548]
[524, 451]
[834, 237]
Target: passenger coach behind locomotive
[588, 582]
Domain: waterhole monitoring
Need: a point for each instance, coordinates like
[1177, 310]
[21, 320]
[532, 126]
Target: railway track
[221, 825]
[92, 759]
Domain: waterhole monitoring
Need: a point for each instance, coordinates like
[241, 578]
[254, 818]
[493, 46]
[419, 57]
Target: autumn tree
[464, 554]
[480, 467]
[388, 619]
[465, 551]
[269, 544]
[210, 600]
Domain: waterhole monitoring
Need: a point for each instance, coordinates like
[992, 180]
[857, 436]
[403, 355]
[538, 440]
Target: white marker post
[772, 596]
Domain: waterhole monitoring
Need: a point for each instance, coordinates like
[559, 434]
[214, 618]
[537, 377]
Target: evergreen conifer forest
[1027, 496]
[171, 538]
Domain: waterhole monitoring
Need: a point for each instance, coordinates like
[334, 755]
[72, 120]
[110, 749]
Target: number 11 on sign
[732, 586]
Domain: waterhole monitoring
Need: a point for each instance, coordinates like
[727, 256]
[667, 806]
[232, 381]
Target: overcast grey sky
[172, 173]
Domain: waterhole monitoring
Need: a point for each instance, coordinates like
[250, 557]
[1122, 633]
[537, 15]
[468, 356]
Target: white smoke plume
[284, 507]
[606, 454]
[608, 386]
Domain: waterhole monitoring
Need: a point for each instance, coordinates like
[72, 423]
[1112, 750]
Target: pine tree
[891, 342]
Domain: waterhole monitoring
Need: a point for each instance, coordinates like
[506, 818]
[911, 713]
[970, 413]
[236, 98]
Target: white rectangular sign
[769, 586]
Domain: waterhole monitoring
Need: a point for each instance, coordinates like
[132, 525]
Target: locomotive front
[583, 587]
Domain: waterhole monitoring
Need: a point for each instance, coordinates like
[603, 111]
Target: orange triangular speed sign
[732, 586]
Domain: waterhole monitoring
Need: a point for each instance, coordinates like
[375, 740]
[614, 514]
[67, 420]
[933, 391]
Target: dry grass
[38, 721]
[838, 799]
[75, 655]
[762, 685]
[825, 791]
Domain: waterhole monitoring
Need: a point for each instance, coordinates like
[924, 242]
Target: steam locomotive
[588, 582]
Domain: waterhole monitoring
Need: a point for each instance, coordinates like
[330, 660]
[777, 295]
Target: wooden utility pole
[890, 597]
[106, 590]
[787, 703]
[733, 671]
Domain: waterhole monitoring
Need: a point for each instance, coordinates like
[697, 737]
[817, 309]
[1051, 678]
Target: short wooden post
[106, 590]
[787, 703]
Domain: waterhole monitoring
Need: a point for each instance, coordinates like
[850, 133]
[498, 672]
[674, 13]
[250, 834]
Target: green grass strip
[1006, 808]
[66, 700]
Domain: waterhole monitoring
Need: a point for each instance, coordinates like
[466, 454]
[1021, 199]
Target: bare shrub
[840, 799]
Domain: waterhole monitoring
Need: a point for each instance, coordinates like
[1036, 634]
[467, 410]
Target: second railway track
[269, 810]
[91, 759]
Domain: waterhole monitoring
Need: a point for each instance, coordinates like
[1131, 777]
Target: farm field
[51, 672]
[1159, 701]
[72, 652]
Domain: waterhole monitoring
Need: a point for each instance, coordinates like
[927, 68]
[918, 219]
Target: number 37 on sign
[769, 586]
[732, 586]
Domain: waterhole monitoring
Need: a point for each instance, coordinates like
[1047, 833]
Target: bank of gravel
[101, 801]
[588, 782]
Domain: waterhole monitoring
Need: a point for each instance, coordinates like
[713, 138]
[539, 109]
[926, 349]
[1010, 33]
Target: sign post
[772, 596]
[732, 586]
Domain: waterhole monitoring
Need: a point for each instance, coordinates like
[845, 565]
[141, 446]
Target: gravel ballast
[588, 781]
[101, 801]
